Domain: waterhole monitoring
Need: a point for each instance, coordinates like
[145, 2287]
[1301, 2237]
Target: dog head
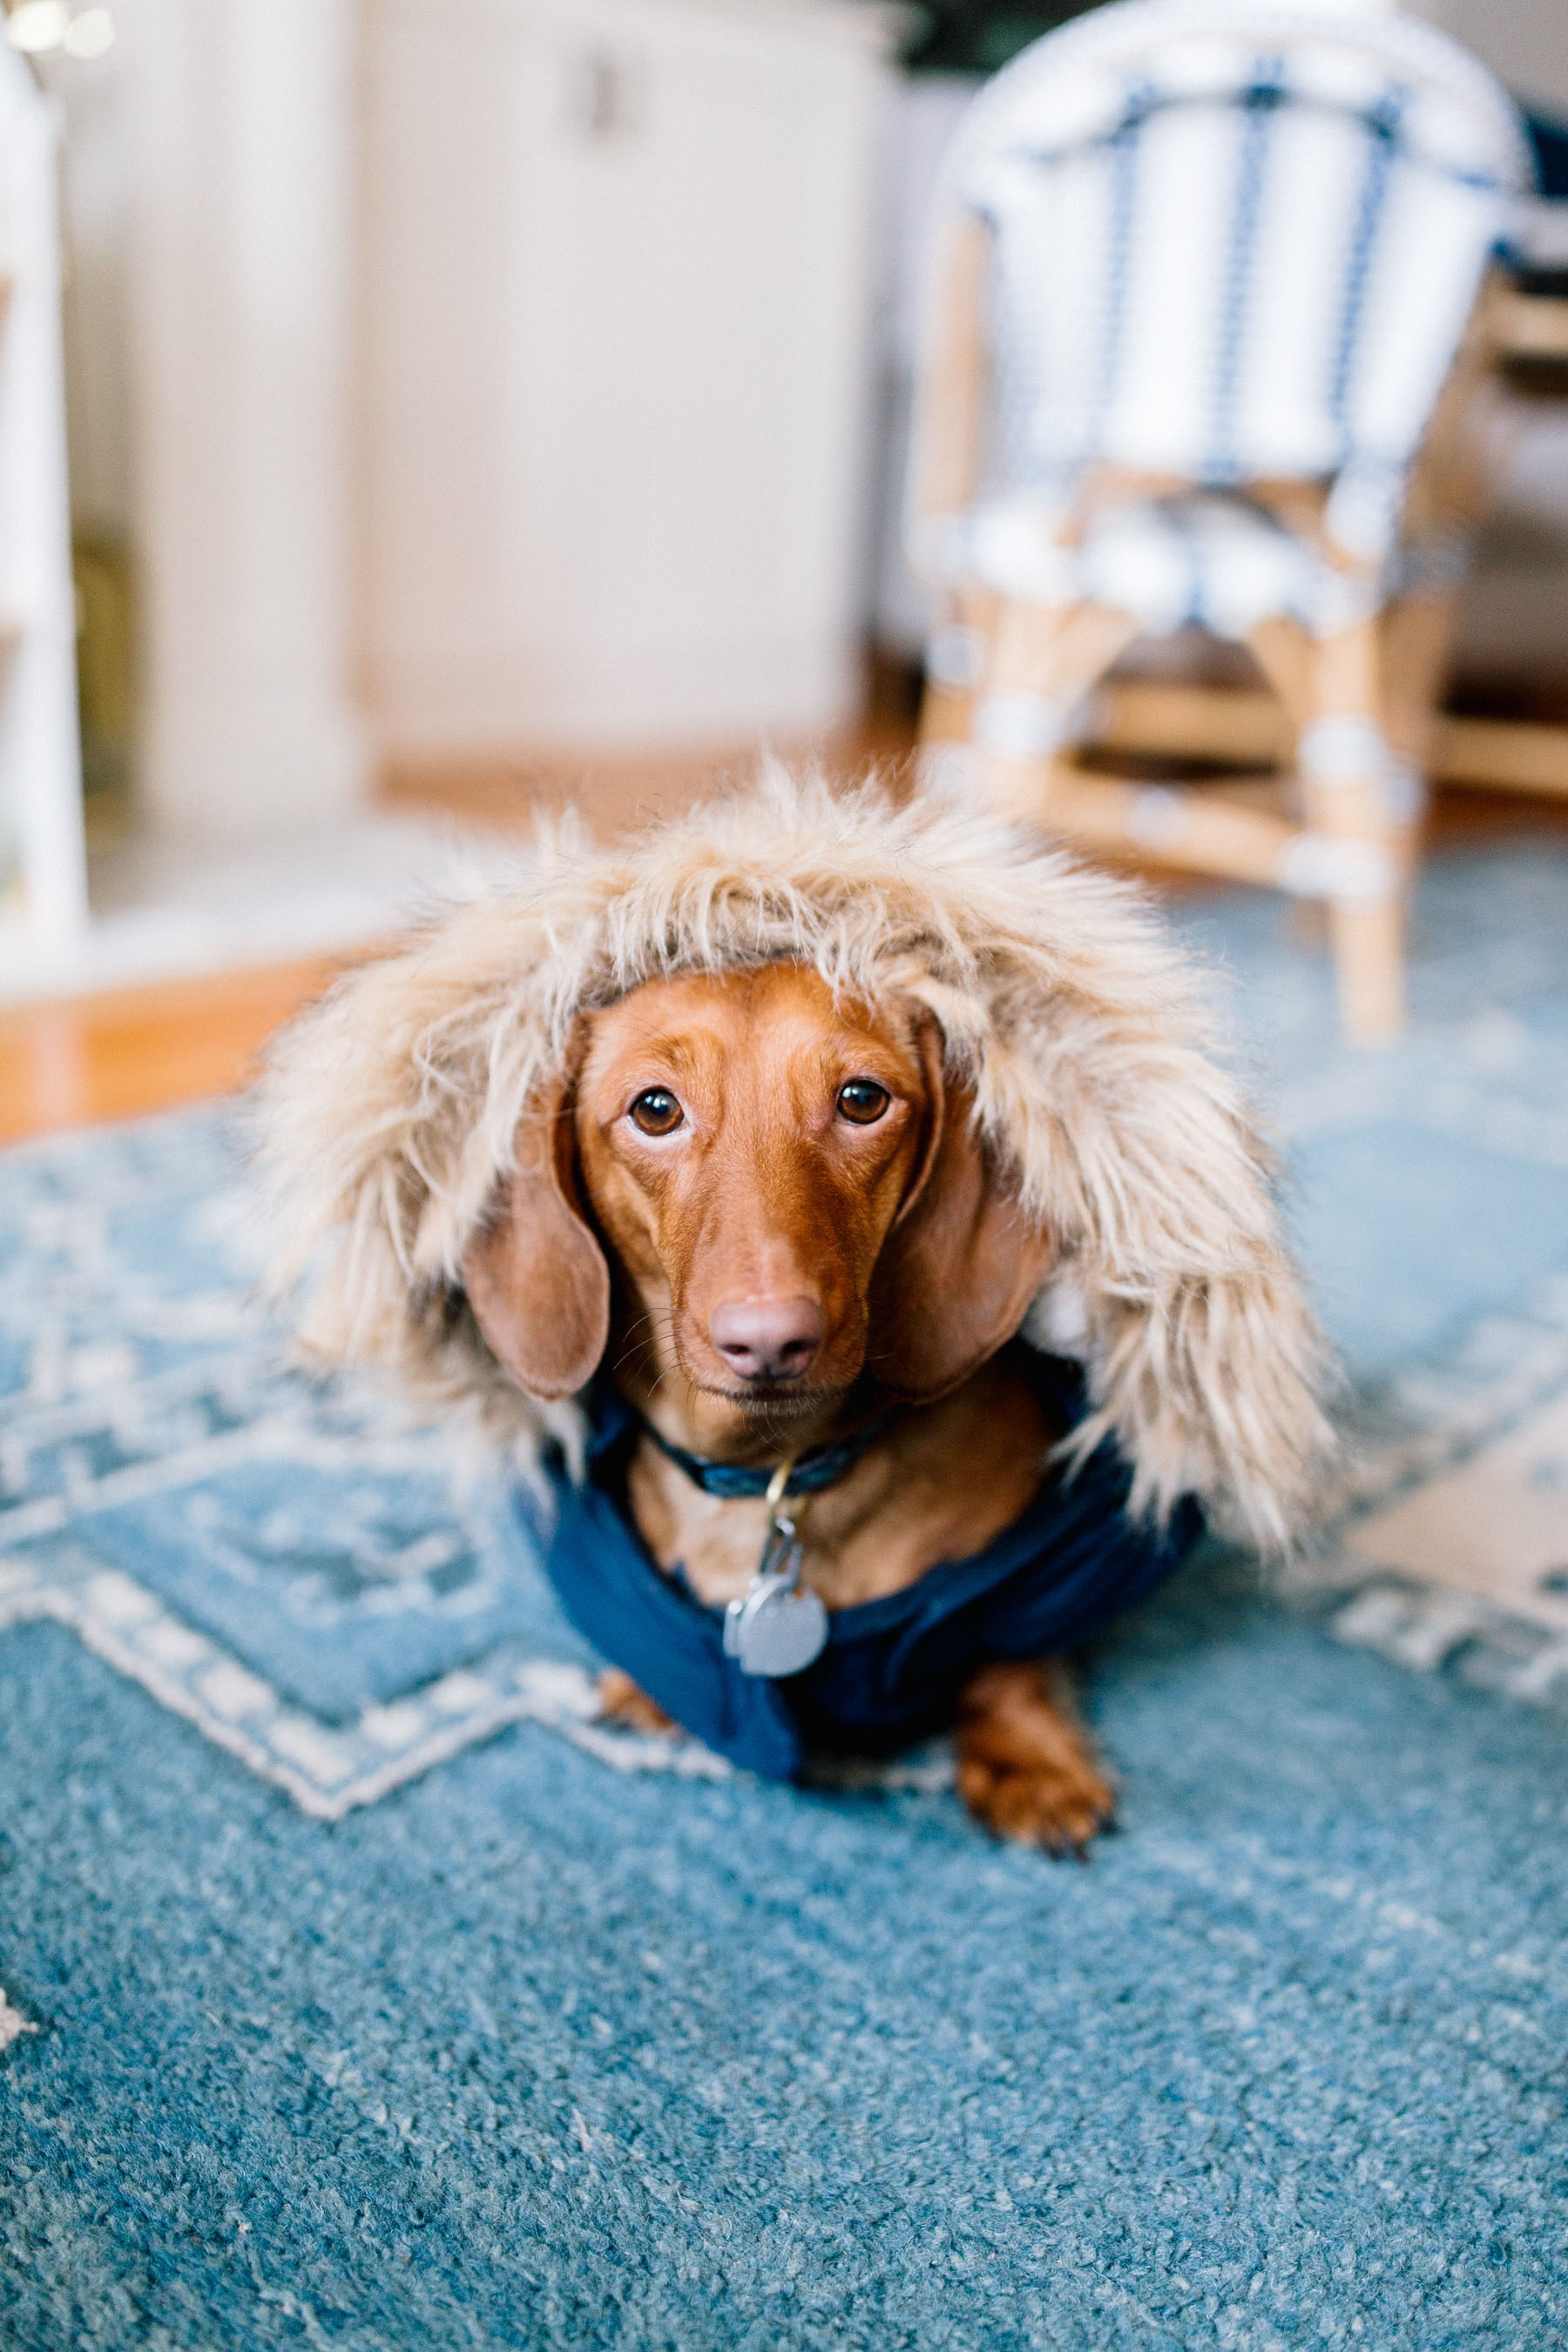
[437, 1134]
[769, 1189]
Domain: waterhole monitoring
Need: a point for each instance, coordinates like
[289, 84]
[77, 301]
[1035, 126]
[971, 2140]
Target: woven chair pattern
[1232, 250]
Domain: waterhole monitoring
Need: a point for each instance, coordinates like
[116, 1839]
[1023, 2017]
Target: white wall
[1524, 42]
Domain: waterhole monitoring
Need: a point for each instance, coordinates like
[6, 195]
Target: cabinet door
[448, 156]
[643, 386]
[702, 275]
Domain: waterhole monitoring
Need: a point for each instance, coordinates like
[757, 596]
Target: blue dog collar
[731, 1480]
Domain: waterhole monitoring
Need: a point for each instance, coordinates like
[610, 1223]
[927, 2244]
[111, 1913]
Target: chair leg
[1283, 652]
[1355, 856]
[1415, 641]
[1350, 853]
[956, 658]
[1043, 660]
[1368, 943]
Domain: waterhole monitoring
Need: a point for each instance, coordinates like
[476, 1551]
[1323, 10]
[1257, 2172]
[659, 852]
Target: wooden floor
[111, 1056]
[142, 1049]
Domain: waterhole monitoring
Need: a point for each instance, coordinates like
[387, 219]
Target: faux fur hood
[388, 1112]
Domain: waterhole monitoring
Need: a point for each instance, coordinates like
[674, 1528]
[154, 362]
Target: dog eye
[657, 1112]
[863, 1101]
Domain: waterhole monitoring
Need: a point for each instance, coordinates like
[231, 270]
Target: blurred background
[472, 403]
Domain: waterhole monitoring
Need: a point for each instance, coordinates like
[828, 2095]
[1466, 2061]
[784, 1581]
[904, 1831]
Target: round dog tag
[777, 1629]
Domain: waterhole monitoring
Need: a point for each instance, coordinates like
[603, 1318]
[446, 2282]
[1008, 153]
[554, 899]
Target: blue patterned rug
[357, 1989]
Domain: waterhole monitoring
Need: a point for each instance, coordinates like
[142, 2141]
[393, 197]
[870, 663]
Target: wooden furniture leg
[956, 662]
[1415, 639]
[1453, 484]
[1353, 855]
[1043, 659]
[1349, 854]
[1283, 652]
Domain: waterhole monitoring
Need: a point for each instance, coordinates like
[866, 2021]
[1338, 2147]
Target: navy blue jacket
[892, 1670]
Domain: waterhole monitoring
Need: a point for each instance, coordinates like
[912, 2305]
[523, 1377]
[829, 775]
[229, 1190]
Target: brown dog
[769, 1208]
[700, 1114]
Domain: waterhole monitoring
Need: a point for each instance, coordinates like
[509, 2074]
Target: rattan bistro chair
[1201, 270]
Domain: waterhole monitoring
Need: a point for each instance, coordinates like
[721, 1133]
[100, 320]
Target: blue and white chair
[1201, 271]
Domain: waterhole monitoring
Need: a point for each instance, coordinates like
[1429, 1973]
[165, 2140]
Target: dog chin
[773, 1401]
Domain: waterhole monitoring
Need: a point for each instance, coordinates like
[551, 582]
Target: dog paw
[620, 1701]
[1025, 1766]
[1037, 1804]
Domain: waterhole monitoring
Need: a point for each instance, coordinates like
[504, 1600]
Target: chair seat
[1215, 559]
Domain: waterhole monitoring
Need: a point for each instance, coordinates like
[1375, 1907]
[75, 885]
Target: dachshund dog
[835, 1210]
[795, 1214]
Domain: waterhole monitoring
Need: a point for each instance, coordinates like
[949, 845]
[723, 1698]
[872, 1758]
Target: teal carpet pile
[360, 1991]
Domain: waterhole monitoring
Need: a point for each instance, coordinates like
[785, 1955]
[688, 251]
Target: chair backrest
[1233, 240]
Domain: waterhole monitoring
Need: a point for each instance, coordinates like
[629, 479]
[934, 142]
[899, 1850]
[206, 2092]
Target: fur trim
[389, 1110]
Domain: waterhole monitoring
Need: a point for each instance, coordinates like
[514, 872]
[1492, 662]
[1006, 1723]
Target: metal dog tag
[777, 1626]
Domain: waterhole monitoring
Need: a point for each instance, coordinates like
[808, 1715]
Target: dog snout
[767, 1338]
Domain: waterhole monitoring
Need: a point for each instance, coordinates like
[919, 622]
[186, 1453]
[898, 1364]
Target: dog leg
[1025, 1768]
[620, 1701]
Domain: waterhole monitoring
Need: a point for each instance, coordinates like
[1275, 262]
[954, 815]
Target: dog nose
[767, 1338]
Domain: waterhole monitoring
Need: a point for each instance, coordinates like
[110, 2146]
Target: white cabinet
[43, 879]
[617, 261]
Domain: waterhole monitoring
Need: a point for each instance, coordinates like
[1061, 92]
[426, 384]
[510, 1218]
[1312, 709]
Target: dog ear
[961, 1264]
[535, 1277]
